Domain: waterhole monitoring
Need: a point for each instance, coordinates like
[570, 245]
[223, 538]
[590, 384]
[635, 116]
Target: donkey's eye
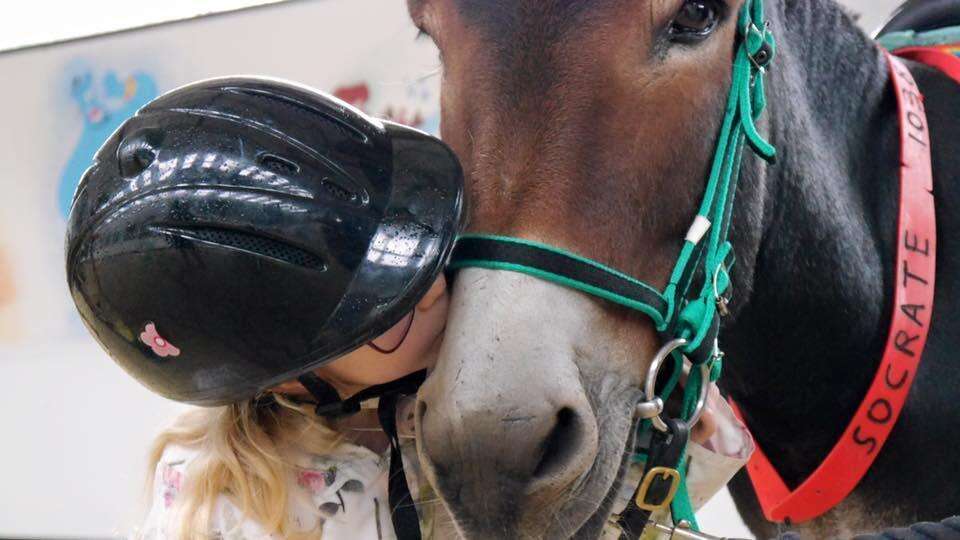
[696, 19]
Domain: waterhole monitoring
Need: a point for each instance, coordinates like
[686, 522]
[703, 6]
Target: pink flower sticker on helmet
[161, 347]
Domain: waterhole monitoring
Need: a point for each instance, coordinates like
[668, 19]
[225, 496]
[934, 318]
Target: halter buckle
[655, 478]
[723, 306]
[723, 303]
[763, 54]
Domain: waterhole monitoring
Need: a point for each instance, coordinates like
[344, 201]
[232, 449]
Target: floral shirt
[343, 494]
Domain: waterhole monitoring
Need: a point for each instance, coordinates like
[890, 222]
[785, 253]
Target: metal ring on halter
[705, 383]
[649, 409]
[651, 383]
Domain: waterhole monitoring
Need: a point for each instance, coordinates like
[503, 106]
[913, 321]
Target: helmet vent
[278, 164]
[251, 243]
[337, 191]
[135, 157]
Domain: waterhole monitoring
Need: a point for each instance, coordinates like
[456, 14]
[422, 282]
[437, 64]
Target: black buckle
[761, 57]
[329, 403]
[337, 409]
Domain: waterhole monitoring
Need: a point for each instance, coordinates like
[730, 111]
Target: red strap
[938, 57]
[853, 454]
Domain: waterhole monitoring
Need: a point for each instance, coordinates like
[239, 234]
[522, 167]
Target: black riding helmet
[239, 232]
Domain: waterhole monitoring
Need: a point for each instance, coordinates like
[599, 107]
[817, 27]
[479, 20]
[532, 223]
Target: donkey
[590, 124]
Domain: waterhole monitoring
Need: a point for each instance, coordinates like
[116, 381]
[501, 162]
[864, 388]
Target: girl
[261, 248]
[276, 470]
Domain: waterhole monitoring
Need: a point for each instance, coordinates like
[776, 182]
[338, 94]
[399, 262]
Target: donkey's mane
[827, 205]
[828, 74]
[824, 262]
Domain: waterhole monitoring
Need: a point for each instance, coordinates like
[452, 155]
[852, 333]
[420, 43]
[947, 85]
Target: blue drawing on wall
[104, 108]
[430, 104]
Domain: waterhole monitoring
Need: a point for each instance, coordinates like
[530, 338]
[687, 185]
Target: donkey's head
[589, 125]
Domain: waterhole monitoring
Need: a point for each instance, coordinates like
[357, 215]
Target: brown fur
[541, 99]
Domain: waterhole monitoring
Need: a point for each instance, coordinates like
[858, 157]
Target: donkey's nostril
[562, 444]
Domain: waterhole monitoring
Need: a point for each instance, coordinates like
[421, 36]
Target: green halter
[705, 251]
[684, 309]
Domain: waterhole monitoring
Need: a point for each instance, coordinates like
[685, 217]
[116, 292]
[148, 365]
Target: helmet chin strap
[403, 511]
[331, 405]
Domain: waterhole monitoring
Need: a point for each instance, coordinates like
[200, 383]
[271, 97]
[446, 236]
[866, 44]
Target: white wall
[55, 20]
[873, 12]
[75, 428]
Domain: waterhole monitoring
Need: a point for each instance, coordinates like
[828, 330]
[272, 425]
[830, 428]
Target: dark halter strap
[665, 452]
[577, 272]
[503, 253]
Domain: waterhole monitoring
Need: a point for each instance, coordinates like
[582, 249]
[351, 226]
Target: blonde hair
[241, 455]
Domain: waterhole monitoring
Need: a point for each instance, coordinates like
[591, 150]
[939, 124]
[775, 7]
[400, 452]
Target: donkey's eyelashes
[696, 20]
